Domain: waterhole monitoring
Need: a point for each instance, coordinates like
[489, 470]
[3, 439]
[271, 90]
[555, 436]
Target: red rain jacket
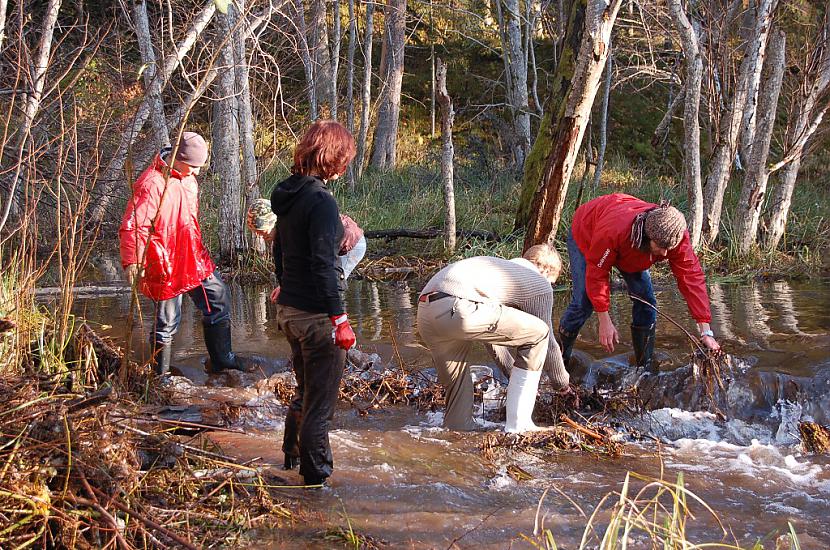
[602, 231]
[176, 260]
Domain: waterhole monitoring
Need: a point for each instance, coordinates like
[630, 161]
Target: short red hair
[325, 150]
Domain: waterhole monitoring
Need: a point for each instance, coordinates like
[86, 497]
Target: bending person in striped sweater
[503, 304]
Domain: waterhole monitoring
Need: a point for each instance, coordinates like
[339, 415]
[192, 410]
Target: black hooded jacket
[308, 238]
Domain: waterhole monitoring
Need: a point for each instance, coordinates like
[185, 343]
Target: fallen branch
[581, 429]
[429, 233]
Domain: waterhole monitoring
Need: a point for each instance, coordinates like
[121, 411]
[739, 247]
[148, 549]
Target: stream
[402, 479]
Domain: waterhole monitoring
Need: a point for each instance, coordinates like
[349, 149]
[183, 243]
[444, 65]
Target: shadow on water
[401, 478]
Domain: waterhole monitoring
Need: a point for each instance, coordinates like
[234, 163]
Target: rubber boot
[642, 338]
[521, 397]
[162, 355]
[566, 343]
[218, 343]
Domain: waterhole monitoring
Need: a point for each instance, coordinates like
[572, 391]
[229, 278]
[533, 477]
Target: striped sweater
[515, 283]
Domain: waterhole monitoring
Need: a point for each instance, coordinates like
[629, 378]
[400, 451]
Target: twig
[675, 323]
[564, 418]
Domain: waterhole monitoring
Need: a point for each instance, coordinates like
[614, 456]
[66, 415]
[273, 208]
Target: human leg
[643, 318]
[294, 415]
[213, 298]
[168, 314]
[580, 308]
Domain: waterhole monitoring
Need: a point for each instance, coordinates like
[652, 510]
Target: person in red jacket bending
[632, 235]
[163, 254]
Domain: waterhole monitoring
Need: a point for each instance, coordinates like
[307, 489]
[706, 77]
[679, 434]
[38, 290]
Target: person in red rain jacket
[163, 254]
[630, 234]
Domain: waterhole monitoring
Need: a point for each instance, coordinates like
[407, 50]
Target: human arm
[541, 306]
[134, 231]
[691, 282]
[608, 335]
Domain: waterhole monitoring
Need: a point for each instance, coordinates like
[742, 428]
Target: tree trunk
[116, 167]
[350, 173]
[815, 85]
[366, 102]
[724, 155]
[158, 123]
[515, 76]
[249, 172]
[661, 133]
[560, 138]
[755, 182]
[225, 150]
[335, 56]
[38, 81]
[305, 56]
[447, 156]
[603, 121]
[4, 4]
[320, 49]
[386, 130]
[691, 122]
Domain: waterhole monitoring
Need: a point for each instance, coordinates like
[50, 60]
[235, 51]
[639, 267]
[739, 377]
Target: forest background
[500, 115]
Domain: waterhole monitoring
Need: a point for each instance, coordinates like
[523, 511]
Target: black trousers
[318, 367]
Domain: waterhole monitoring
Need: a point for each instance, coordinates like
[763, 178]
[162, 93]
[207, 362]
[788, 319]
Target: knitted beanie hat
[192, 149]
[665, 226]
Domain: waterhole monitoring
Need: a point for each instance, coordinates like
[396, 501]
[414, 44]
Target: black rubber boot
[218, 343]
[642, 338]
[162, 354]
[566, 343]
[291, 462]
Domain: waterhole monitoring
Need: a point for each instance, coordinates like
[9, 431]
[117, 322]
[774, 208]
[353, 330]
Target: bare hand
[274, 295]
[710, 343]
[608, 336]
[133, 274]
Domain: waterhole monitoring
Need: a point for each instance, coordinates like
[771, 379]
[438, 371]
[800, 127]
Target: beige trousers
[450, 326]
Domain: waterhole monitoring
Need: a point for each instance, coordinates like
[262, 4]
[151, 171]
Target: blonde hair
[546, 258]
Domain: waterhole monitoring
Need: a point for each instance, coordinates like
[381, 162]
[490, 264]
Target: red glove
[342, 333]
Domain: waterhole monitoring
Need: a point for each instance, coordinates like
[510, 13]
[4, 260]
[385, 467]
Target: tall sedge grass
[658, 514]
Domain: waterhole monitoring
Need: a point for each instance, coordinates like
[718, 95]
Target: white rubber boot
[521, 397]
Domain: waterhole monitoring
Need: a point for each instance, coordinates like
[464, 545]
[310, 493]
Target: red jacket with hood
[176, 259]
[602, 230]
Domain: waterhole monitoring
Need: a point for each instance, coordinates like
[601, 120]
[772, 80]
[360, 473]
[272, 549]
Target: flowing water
[399, 477]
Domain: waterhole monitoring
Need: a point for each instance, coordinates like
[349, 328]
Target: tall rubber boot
[162, 355]
[521, 397]
[566, 343]
[218, 343]
[642, 338]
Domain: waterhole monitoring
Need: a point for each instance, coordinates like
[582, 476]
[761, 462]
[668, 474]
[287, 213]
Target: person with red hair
[309, 307]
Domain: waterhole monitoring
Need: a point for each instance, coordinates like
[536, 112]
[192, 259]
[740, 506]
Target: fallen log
[429, 233]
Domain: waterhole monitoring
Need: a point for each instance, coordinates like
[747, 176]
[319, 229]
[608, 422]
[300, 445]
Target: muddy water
[402, 479]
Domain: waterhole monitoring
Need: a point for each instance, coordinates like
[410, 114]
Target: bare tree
[335, 55]
[4, 4]
[40, 64]
[366, 102]
[447, 156]
[577, 81]
[350, 174]
[808, 116]
[603, 120]
[305, 55]
[225, 147]
[515, 56]
[725, 150]
[386, 129]
[754, 188]
[148, 58]
[691, 123]
[106, 190]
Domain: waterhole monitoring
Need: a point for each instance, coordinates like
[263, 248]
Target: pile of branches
[75, 472]
[396, 268]
[814, 437]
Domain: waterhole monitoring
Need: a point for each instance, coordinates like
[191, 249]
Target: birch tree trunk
[158, 123]
[33, 100]
[603, 121]
[225, 150]
[320, 47]
[447, 156]
[515, 75]
[562, 135]
[754, 189]
[691, 122]
[4, 4]
[171, 62]
[335, 56]
[305, 56]
[249, 172]
[724, 154]
[815, 85]
[366, 101]
[386, 129]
